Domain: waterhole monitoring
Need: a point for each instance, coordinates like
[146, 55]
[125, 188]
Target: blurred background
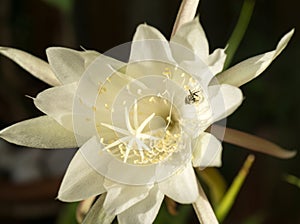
[29, 178]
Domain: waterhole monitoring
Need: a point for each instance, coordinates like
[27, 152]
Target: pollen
[192, 80]
[102, 90]
[108, 79]
[152, 99]
[167, 72]
[141, 143]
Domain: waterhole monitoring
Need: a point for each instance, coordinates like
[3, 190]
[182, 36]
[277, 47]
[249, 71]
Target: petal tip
[3, 49]
[290, 154]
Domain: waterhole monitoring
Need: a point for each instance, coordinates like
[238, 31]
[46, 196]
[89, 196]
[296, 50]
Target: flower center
[151, 135]
[135, 114]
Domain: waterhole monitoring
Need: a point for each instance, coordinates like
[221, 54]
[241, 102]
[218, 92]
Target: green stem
[239, 31]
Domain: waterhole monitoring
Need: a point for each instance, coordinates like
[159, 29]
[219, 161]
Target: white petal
[249, 69]
[251, 142]
[207, 151]
[40, 132]
[185, 14]
[224, 99]
[69, 65]
[182, 186]
[81, 181]
[32, 64]
[149, 44]
[97, 214]
[192, 36]
[216, 61]
[203, 209]
[145, 211]
[120, 197]
[57, 102]
[146, 32]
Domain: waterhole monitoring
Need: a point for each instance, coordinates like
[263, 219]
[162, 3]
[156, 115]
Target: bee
[193, 97]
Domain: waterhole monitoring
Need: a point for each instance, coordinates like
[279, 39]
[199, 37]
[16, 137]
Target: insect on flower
[193, 97]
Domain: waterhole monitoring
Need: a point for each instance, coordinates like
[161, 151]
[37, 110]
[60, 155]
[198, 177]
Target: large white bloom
[140, 125]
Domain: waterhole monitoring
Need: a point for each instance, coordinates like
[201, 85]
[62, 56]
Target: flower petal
[40, 132]
[149, 44]
[203, 209]
[182, 186]
[120, 197]
[97, 213]
[69, 65]
[224, 99]
[145, 211]
[252, 142]
[192, 36]
[207, 151]
[57, 102]
[81, 181]
[216, 60]
[146, 32]
[249, 69]
[37, 67]
[186, 13]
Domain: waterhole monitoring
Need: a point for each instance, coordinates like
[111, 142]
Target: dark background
[270, 109]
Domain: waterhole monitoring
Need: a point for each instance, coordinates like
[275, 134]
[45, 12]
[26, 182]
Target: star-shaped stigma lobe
[134, 136]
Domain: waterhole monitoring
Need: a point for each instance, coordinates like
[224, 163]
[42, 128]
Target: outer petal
[57, 102]
[203, 209]
[148, 43]
[182, 186]
[249, 69]
[69, 65]
[192, 36]
[81, 181]
[32, 64]
[145, 211]
[146, 32]
[207, 151]
[40, 132]
[251, 142]
[224, 99]
[120, 197]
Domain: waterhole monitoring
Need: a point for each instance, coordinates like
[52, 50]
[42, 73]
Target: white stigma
[133, 135]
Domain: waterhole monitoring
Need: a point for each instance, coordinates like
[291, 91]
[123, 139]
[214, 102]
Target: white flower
[140, 125]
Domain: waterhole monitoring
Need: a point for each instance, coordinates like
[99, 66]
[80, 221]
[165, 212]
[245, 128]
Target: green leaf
[215, 182]
[292, 179]
[239, 31]
[67, 214]
[225, 205]
[64, 5]
[257, 218]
